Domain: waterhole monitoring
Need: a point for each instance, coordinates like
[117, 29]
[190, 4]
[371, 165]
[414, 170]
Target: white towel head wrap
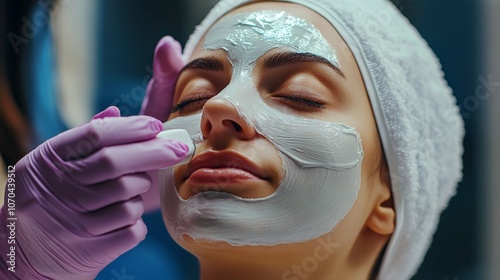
[417, 118]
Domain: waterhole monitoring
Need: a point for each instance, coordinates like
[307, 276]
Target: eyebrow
[288, 58]
[209, 63]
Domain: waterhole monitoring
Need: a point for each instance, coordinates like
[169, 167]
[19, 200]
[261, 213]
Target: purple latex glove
[167, 64]
[78, 197]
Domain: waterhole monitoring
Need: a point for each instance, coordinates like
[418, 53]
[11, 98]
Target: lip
[223, 168]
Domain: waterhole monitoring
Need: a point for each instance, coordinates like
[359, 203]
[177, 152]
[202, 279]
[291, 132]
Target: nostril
[206, 128]
[234, 124]
[237, 127]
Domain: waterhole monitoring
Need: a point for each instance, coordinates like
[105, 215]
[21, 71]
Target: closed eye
[301, 101]
[190, 101]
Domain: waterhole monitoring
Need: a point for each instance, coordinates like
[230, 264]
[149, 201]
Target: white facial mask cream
[321, 160]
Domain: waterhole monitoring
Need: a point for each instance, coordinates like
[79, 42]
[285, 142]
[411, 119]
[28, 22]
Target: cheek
[360, 116]
[372, 149]
[347, 231]
[178, 177]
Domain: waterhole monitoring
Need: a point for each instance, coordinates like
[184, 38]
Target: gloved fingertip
[111, 111]
[157, 125]
[165, 40]
[168, 58]
[114, 110]
[183, 149]
[169, 42]
[179, 136]
[179, 148]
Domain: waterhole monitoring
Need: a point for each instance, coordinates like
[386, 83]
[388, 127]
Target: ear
[382, 218]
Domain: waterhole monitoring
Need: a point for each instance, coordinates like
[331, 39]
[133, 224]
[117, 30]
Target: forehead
[301, 13]
[252, 34]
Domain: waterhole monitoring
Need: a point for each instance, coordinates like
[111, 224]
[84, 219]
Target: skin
[352, 248]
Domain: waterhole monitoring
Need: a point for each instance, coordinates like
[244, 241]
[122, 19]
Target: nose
[221, 123]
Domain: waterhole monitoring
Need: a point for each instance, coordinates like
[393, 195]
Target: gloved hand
[167, 64]
[77, 197]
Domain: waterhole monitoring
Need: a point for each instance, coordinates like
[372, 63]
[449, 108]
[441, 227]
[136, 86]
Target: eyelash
[312, 103]
[189, 101]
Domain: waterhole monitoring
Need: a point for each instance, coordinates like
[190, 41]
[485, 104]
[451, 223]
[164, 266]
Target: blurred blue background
[119, 38]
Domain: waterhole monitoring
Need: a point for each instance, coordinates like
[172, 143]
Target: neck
[320, 259]
[241, 269]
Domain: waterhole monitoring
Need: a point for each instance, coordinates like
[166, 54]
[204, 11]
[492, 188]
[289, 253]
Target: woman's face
[279, 115]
